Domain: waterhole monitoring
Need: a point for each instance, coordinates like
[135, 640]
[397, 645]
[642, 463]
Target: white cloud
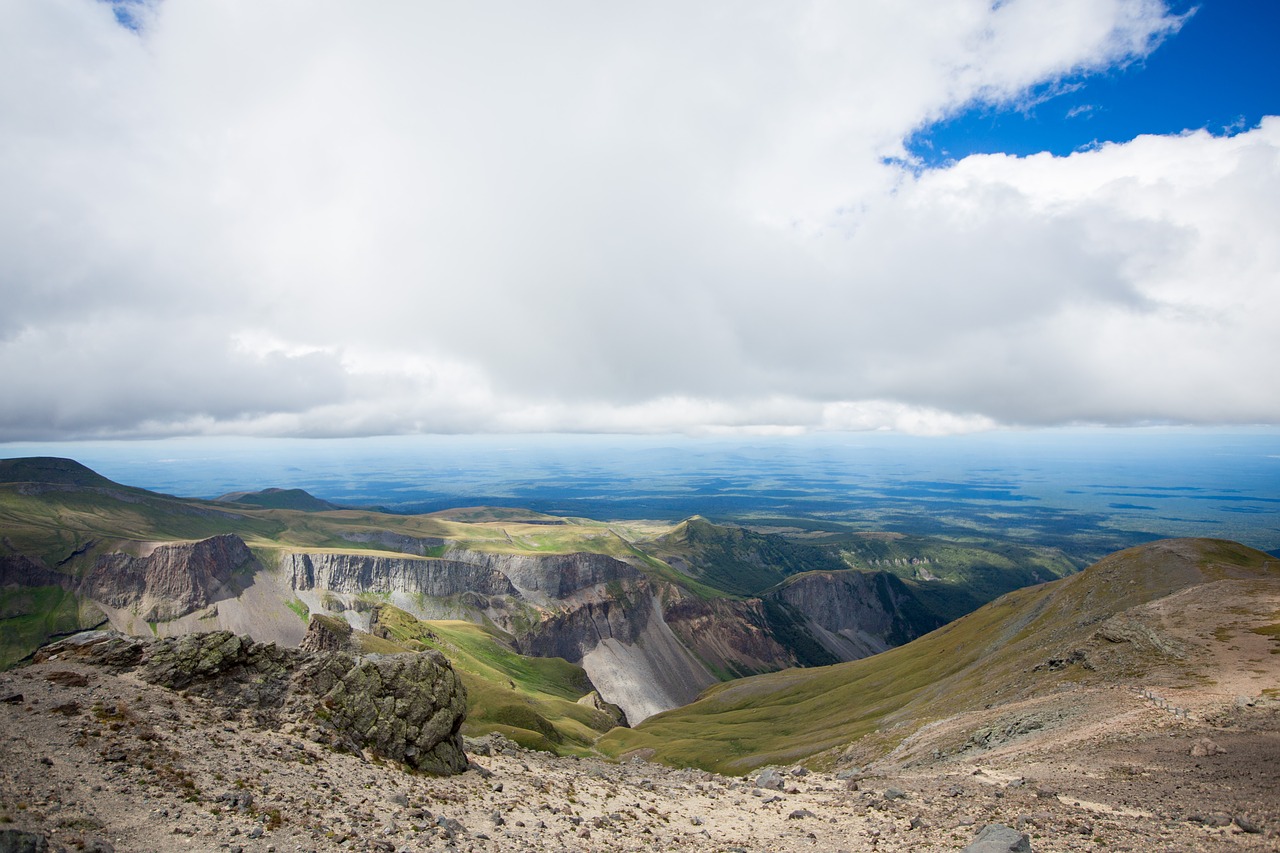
[338, 219]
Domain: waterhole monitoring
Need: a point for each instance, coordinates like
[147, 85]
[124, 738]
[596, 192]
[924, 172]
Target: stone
[998, 838]
[1205, 747]
[770, 779]
[18, 841]
[1247, 824]
[406, 707]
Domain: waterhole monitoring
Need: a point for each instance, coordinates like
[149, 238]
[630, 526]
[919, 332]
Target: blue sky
[337, 219]
[1219, 72]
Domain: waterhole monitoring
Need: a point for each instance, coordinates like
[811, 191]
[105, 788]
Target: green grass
[531, 700]
[29, 615]
[980, 659]
[300, 608]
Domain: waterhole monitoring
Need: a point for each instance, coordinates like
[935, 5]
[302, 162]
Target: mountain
[1172, 616]
[649, 614]
[735, 559]
[280, 499]
[52, 470]
[1132, 707]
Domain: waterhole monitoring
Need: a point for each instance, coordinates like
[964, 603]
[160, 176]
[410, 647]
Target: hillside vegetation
[1028, 642]
[658, 611]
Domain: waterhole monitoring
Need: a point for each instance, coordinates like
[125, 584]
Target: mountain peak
[50, 469]
[273, 498]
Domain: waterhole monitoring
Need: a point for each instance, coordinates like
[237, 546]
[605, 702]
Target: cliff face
[732, 636]
[172, 581]
[575, 631]
[552, 575]
[855, 614]
[356, 573]
[19, 570]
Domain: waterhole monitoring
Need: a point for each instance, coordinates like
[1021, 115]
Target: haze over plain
[271, 220]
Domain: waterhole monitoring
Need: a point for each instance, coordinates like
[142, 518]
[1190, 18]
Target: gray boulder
[997, 838]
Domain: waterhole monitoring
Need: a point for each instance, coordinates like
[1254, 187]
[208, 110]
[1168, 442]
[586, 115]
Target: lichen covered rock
[408, 707]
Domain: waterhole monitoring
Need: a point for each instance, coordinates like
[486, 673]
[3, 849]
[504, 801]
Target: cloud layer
[331, 219]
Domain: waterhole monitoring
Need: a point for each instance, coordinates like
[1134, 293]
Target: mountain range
[737, 651]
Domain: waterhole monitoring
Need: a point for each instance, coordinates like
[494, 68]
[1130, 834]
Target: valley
[622, 684]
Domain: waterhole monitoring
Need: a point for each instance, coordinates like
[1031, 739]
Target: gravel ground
[96, 761]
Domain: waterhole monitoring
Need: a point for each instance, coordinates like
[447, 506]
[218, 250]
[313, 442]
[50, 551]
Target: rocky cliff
[551, 575]
[356, 573]
[408, 708]
[733, 636]
[854, 614]
[20, 570]
[171, 581]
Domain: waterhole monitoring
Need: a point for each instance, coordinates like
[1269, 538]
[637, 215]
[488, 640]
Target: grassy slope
[533, 701]
[965, 574]
[796, 714]
[736, 560]
[280, 499]
[29, 615]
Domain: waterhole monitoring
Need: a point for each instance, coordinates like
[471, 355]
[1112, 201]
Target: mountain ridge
[963, 667]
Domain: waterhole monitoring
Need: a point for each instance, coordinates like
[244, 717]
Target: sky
[340, 219]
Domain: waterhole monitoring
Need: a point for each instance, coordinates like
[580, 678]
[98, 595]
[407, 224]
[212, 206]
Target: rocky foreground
[103, 757]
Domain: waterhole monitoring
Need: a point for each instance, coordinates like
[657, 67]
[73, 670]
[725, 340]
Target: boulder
[406, 707]
[612, 711]
[997, 838]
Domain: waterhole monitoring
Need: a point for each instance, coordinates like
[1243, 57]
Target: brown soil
[91, 757]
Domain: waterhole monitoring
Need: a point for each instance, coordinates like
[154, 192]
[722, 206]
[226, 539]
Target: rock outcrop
[171, 581]
[552, 575]
[409, 707]
[855, 614]
[326, 634]
[357, 573]
[733, 636]
[20, 570]
[406, 707]
[614, 712]
[572, 633]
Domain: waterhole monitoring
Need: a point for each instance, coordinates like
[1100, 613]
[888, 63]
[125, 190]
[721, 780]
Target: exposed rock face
[172, 581]
[405, 707]
[19, 570]
[326, 634]
[856, 614]
[553, 575]
[356, 573]
[731, 635]
[401, 542]
[572, 633]
[614, 712]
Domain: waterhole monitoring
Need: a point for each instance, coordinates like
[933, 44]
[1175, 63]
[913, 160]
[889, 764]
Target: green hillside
[298, 499]
[983, 657]
[533, 701]
[735, 559]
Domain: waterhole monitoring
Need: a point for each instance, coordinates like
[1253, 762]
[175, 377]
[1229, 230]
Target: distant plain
[1085, 491]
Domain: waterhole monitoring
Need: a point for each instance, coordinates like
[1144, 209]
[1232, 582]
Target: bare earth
[91, 757]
